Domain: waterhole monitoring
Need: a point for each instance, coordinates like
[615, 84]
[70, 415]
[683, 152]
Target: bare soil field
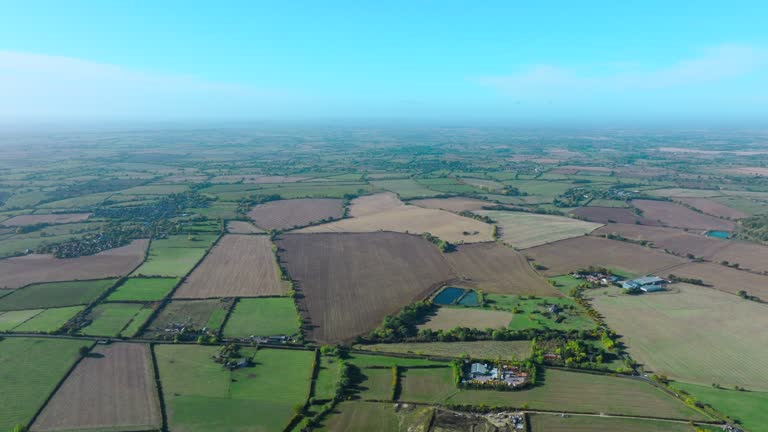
[448, 318]
[713, 208]
[372, 204]
[286, 214]
[611, 215]
[496, 268]
[416, 220]
[523, 230]
[20, 271]
[454, 204]
[238, 266]
[349, 282]
[62, 218]
[675, 215]
[111, 389]
[572, 254]
[723, 278]
[242, 227]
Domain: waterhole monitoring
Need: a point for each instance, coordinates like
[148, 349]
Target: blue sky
[665, 62]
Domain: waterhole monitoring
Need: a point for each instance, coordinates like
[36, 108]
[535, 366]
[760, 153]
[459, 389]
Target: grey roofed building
[479, 369]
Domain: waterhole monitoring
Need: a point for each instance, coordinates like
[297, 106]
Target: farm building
[647, 284]
[485, 374]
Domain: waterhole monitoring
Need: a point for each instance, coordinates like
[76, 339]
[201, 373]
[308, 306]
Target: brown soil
[376, 203]
[723, 278]
[675, 215]
[242, 227]
[287, 214]
[611, 215]
[713, 208]
[455, 204]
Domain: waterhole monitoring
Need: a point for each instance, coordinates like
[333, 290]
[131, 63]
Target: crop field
[557, 423]
[713, 208]
[405, 188]
[116, 383]
[143, 289]
[238, 266]
[568, 255]
[525, 230]
[678, 216]
[109, 319]
[453, 204]
[61, 218]
[262, 317]
[190, 313]
[430, 385]
[612, 215]
[349, 282]
[20, 271]
[723, 278]
[372, 204]
[352, 416]
[56, 294]
[447, 318]
[174, 256]
[585, 393]
[242, 227]
[533, 312]
[748, 407]
[507, 350]
[496, 268]
[287, 214]
[49, 320]
[676, 334]
[416, 220]
[30, 370]
[200, 395]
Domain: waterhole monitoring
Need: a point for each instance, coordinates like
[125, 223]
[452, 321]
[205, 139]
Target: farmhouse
[647, 284]
[481, 373]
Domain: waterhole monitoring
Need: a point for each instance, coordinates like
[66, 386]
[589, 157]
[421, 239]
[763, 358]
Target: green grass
[748, 407]
[12, 319]
[143, 289]
[55, 294]
[382, 417]
[565, 283]
[542, 188]
[507, 350]
[532, 312]
[30, 369]
[328, 375]
[174, 256]
[262, 317]
[376, 384]
[556, 423]
[429, 385]
[201, 395]
[110, 318]
[405, 188]
[49, 320]
[133, 327]
[368, 360]
[217, 210]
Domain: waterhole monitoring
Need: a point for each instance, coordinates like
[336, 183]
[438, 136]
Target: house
[478, 369]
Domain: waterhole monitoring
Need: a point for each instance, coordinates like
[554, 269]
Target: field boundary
[158, 388]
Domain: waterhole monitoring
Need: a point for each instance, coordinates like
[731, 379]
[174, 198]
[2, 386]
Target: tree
[83, 351]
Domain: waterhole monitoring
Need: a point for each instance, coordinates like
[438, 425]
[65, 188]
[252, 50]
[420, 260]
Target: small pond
[470, 299]
[448, 296]
[718, 234]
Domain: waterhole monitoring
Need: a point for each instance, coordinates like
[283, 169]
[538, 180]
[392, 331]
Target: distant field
[723, 278]
[20, 271]
[611, 215]
[30, 369]
[542, 188]
[287, 214]
[454, 204]
[143, 289]
[751, 206]
[525, 230]
[262, 317]
[713, 207]
[109, 319]
[174, 256]
[372, 204]
[195, 313]
[575, 423]
[202, 396]
[49, 320]
[405, 188]
[747, 407]
[61, 218]
[242, 227]
[676, 215]
[385, 417]
[678, 335]
[508, 350]
[447, 318]
[55, 294]
[115, 383]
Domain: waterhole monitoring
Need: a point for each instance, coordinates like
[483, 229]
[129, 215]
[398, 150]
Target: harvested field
[677, 216]
[507, 350]
[575, 423]
[238, 266]
[496, 268]
[20, 271]
[190, 313]
[676, 333]
[611, 215]
[117, 385]
[405, 188]
[45, 219]
[723, 278]
[713, 208]
[572, 254]
[411, 219]
[447, 318]
[242, 227]
[454, 204]
[524, 230]
[287, 214]
[349, 282]
[372, 204]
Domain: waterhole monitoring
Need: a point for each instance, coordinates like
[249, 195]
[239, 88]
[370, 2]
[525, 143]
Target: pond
[718, 234]
[448, 296]
[470, 299]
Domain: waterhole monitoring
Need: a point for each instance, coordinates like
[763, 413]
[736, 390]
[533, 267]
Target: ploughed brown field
[111, 389]
[371, 204]
[21, 271]
[238, 266]
[286, 214]
[568, 255]
[349, 282]
[497, 268]
[678, 216]
[722, 278]
[611, 215]
[454, 204]
[48, 218]
[242, 227]
[714, 208]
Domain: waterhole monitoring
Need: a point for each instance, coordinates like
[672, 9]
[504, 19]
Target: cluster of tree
[481, 218]
[692, 281]
[577, 352]
[754, 228]
[244, 205]
[441, 244]
[399, 327]
[746, 296]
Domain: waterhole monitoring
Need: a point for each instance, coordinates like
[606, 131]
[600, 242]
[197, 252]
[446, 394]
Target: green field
[262, 317]
[748, 407]
[143, 289]
[201, 395]
[565, 283]
[192, 313]
[381, 417]
[55, 294]
[429, 385]
[174, 256]
[556, 423]
[49, 320]
[109, 319]
[328, 375]
[30, 369]
[375, 384]
[368, 360]
[542, 188]
[405, 188]
[507, 350]
[530, 312]
[12, 319]
[133, 327]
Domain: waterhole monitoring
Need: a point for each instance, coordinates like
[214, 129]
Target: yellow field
[524, 230]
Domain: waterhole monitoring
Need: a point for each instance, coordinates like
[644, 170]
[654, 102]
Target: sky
[589, 63]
